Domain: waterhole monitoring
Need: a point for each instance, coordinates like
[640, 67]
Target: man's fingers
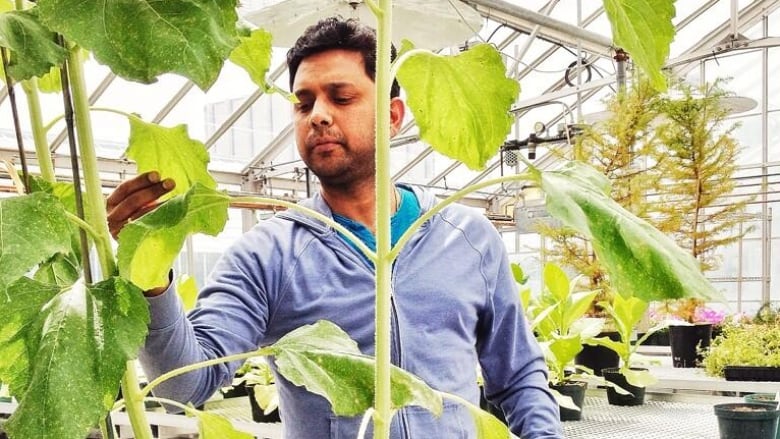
[140, 196]
[139, 200]
[135, 184]
[116, 226]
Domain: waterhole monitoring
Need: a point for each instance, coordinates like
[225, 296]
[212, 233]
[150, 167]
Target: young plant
[50, 331]
[626, 312]
[557, 317]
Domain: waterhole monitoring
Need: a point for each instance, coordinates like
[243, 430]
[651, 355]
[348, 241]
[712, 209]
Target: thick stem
[134, 402]
[42, 152]
[95, 205]
[96, 217]
[384, 261]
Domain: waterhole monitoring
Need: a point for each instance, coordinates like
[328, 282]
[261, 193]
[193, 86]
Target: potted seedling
[557, 319]
[626, 312]
[257, 377]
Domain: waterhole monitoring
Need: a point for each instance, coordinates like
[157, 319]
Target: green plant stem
[259, 201]
[94, 202]
[96, 217]
[134, 402]
[52, 122]
[83, 224]
[42, 152]
[190, 367]
[187, 409]
[384, 260]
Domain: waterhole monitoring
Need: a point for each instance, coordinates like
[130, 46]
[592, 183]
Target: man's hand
[135, 197]
[131, 200]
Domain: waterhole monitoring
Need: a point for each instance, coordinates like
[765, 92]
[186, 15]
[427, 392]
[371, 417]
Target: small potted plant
[626, 312]
[257, 377]
[557, 319]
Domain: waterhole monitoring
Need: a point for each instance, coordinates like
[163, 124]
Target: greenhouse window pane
[748, 133]
[729, 262]
[773, 95]
[751, 295]
[751, 258]
[773, 131]
[774, 288]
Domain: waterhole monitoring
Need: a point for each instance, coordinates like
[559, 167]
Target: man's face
[334, 120]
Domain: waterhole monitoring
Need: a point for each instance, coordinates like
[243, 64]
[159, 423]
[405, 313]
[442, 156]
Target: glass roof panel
[742, 67]
[773, 96]
[572, 11]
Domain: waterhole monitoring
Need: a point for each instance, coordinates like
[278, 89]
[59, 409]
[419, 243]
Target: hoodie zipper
[396, 353]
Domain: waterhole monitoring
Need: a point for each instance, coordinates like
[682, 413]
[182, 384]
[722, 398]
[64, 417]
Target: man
[455, 302]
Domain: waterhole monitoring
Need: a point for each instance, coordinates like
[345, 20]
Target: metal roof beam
[525, 20]
[722, 38]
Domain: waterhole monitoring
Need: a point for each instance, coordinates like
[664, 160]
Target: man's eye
[341, 100]
[303, 107]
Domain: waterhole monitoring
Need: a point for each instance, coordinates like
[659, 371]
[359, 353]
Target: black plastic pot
[764, 398]
[740, 420]
[258, 414]
[637, 396]
[599, 357]
[685, 341]
[751, 373]
[658, 338]
[236, 391]
[575, 390]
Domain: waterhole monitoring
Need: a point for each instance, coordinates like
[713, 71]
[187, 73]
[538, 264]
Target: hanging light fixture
[429, 24]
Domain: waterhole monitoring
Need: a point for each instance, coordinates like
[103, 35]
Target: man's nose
[320, 114]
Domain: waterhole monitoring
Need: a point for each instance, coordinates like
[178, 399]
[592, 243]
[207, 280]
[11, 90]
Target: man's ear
[397, 111]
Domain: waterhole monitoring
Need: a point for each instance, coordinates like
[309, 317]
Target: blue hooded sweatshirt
[455, 307]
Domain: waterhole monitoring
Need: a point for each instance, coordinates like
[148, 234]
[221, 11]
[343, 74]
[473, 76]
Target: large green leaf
[253, 54]
[19, 309]
[327, 362]
[644, 29]
[556, 281]
[33, 48]
[487, 425]
[211, 426]
[171, 152]
[139, 40]
[640, 260]
[77, 345]
[148, 247]
[33, 228]
[460, 103]
[61, 269]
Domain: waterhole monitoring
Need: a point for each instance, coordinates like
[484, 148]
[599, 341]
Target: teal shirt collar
[408, 211]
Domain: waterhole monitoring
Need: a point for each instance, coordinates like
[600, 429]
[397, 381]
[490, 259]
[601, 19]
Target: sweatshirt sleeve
[512, 362]
[227, 320]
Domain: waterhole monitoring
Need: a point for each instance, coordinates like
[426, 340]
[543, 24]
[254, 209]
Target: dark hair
[338, 33]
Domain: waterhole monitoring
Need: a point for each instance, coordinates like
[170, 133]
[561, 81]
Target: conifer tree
[695, 202]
